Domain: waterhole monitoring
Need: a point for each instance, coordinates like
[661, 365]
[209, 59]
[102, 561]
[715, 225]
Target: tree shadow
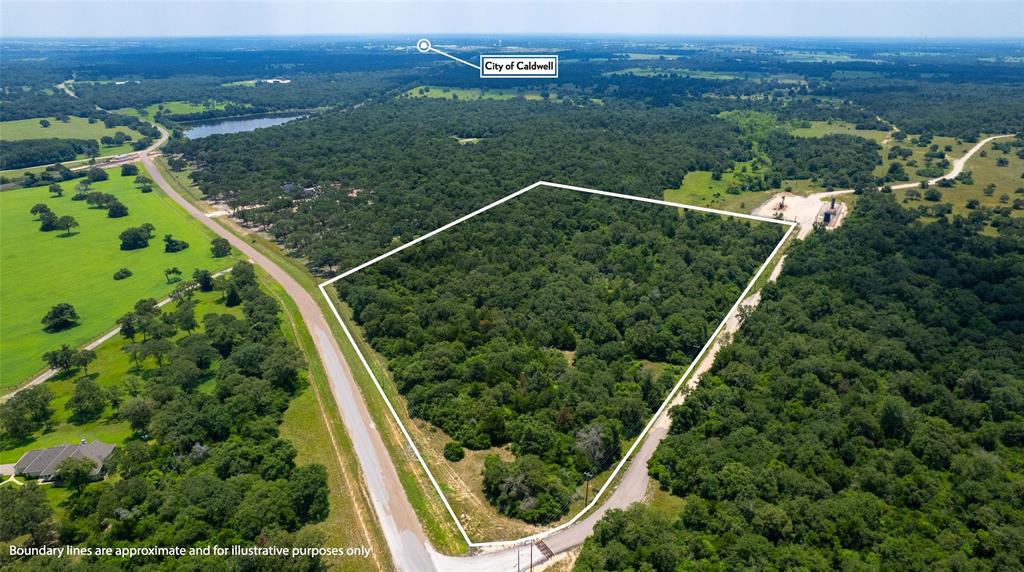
[68, 235]
[61, 329]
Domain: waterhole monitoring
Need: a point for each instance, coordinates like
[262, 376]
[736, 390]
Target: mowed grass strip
[40, 269]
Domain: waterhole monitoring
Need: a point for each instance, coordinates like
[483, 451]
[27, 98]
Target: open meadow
[40, 269]
[112, 366]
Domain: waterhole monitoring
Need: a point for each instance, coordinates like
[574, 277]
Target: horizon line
[597, 36]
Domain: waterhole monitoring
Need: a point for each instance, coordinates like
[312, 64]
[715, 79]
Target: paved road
[396, 517]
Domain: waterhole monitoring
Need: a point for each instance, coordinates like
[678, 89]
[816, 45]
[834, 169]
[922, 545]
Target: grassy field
[74, 128]
[1007, 181]
[700, 189]
[111, 367]
[819, 128]
[40, 269]
[911, 164]
[435, 92]
[173, 108]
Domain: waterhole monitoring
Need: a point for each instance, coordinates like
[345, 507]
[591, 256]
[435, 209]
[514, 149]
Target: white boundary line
[668, 399]
[447, 55]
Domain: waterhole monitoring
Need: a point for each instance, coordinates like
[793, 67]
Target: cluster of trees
[51, 175]
[60, 317]
[869, 414]
[172, 244]
[135, 237]
[114, 207]
[48, 220]
[303, 91]
[34, 152]
[202, 467]
[119, 138]
[839, 161]
[954, 108]
[526, 326]
[25, 413]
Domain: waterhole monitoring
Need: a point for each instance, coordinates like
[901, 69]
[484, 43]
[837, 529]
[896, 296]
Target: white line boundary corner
[668, 398]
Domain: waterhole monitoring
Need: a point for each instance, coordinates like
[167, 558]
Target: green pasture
[110, 369]
[173, 108]
[700, 189]
[820, 128]
[984, 171]
[435, 92]
[40, 269]
[74, 128]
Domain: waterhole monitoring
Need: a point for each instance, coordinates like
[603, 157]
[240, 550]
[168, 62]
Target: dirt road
[806, 210]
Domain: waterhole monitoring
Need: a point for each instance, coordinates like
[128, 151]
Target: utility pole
[586, 497]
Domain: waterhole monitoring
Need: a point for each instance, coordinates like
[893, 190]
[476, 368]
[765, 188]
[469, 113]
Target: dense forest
[203, 465]
[338, 189]
[526, 326]
[870, 414]
[32, 152]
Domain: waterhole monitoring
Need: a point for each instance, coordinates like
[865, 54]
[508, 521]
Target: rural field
[48, 268]
[171, 107]
[112, 366]
[74, 128]
[434, 92]
[993, 186]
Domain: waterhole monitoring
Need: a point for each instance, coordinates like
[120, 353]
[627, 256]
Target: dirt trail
[807, 210]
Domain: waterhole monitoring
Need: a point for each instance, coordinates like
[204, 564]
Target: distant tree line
[35, 152]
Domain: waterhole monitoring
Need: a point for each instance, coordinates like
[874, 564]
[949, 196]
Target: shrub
[136, 237]
[454, 452]
[122, 274]
[117, 210]
[96, 174]
[60, 317]
[172, 244]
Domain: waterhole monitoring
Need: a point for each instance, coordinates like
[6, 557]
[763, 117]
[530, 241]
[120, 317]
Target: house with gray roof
[43, 463]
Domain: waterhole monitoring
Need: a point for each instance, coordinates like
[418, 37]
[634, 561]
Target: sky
[914, 19]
